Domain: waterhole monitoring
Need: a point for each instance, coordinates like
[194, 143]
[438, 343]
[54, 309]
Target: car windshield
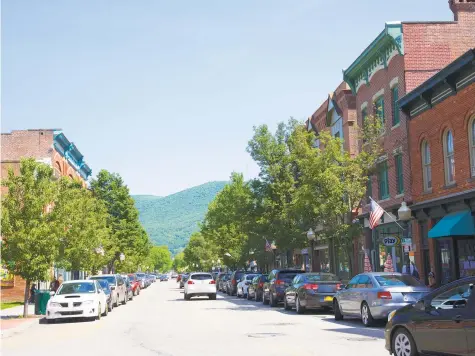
[396, 280]
[250, 277]
[104, 284]
[140, 275]
[201, 277]
[110, 279]
[321, 278]
[73, 288]
[287, 276]
[238, 275]
[132, 277]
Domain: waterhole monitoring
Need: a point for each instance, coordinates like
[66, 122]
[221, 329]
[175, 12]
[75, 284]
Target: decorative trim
[394, 82]
[378, 95]
[364, 106]
[397, 151]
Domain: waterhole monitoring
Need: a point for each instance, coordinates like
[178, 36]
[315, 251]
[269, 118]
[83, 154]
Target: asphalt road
[160, 322]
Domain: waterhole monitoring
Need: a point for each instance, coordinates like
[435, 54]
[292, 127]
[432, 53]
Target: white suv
[200, 284]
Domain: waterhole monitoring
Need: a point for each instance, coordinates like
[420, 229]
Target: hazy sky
[166, 92]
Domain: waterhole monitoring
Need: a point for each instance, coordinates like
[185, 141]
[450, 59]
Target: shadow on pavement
[44, 321]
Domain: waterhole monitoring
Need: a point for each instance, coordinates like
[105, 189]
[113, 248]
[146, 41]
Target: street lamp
[311, 239]
[122, 257]
[405, 214]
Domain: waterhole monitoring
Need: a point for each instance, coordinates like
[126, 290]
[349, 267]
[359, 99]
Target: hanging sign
[391, 241]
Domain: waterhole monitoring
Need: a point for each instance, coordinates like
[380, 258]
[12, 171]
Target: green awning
[455, 224]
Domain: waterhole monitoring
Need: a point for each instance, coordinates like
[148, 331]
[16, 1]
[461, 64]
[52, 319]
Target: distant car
[174, 275]
[311, 291]
[255, 289]
[77, 299]
[231, 284]
[135, 283]
[278, 281]
[117, 284]
[164, 278]
[141, 278]
[108, 292]
[183, 279]
[243, 285]
[200, 284]
[427, 328]
[128, 286]
[374, 295]
[221, 281]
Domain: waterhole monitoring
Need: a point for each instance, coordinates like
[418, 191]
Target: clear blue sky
[166, 92]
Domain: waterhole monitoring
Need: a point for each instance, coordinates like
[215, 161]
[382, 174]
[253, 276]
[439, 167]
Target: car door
[344, 296]
[469, 322]
[121, 285]
[442, 330]
[101, 295]
[359, 294]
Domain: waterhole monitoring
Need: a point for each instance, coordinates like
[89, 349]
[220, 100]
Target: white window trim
[471, 142]
[425, 179]
[377, 95]
[394, 82]
[364, 106]
[446, 160]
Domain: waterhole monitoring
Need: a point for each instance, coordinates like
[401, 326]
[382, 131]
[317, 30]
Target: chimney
[462, 6]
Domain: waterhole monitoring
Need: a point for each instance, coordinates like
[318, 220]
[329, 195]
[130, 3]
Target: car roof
[78, 281]
[200, 273]
[104, 275]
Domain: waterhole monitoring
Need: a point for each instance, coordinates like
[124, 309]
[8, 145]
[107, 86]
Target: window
[353, 282]
[395, 106]
[454, 298]
[449, 158]
[383, 180]
[471, 140]
[399, 174]
[426, 166]
[364, 282]
[379, 109]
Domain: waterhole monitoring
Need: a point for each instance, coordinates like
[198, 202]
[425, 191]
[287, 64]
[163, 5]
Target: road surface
[160, 322]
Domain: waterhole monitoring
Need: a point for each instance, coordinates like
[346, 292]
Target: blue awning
[455, 224]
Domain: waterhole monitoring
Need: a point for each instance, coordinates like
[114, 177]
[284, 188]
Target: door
[345, 295]
[359, 294]
[442, 327]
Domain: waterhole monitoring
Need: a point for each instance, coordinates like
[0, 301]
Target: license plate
[328, 299]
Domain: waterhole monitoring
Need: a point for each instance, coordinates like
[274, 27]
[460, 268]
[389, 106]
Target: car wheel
[298, 307]
[132, 296]
[366, 316]
[111, 306]
[264, 300]
[116, 304]
[337, 311]
[403, 344]
[126, 298]
[99, 312]
[286, 305]
[248, 296]
[272, 301]
[212, 296]
[106, 311]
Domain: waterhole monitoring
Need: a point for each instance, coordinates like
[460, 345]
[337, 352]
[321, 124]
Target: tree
[159, 259]
[199, 252]
[29, 237]
[178, 263]
[127, 235]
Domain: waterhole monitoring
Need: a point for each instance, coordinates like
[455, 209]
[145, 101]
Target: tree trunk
[26, 297]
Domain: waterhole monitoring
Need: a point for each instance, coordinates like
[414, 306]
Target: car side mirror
[52, 293]
[112, 287]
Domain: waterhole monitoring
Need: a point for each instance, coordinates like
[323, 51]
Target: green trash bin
[41, 300]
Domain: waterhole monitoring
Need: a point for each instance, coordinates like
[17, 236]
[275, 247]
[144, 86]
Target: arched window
[426, 166]
[471, 141]
[449, 160]
[58, 167]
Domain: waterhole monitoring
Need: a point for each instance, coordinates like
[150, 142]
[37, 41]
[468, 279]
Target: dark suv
[233, 281]
[277, 281]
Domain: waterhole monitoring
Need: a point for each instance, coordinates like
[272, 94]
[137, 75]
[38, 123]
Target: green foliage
[172, 219]
[178, 263]
[158, 259]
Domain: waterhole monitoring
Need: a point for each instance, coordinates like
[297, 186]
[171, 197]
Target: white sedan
[77, 299]
[243, 285]
[200, 284]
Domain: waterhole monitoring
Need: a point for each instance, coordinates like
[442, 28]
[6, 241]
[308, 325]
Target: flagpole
[394, 220]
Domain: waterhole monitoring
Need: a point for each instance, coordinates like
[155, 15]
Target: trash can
[41, 300]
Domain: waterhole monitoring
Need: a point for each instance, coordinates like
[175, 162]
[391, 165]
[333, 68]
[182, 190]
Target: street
[161, 322]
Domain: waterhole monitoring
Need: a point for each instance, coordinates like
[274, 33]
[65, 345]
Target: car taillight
[212, 282]
[338, 286]
[233, 282]
[261, 284]
[191, 282]
[310, 286]
[280, 282]
[384, 295]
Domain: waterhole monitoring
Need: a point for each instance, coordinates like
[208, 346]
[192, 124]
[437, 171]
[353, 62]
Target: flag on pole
[367, 264]
[375, 215]
[388, 266]
[268, 246]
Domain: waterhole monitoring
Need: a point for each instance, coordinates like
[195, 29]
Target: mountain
[172, 219]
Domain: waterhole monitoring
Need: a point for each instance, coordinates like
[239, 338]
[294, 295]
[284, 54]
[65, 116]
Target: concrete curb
[7, 333]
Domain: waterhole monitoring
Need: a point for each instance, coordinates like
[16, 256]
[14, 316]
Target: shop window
[383, 180]
[399, 174]
[449, 160]
[395, 106]
[426, 166]
[471, 134]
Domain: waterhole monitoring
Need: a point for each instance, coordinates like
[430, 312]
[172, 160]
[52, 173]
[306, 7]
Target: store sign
[391, 241]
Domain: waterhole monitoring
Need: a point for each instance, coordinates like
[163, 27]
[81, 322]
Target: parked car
[128, 286]
[243, 284]
[141, 278]
[278, 281]
[311, 291]
[135, 283]
[164, 278]
[427, 328]
[256, 287]
[200, 284]
[374, 295]
[117, 284]
[215, 275]
[108, 292]
[178, 278]
[231, 284]
[183, 279]
[77, 299]
[221, 281]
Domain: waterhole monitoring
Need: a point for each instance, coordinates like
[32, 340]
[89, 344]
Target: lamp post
[311, 239]
[122, 257]
[405, 214]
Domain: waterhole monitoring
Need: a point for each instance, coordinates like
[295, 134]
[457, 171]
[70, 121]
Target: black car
[256, 287]
[441, 323]
[108, 292]
[311, 291]
[278, 281]
[231, 285]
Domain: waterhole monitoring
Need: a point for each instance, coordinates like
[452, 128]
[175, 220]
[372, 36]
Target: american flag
[375, 215]
[268, 246]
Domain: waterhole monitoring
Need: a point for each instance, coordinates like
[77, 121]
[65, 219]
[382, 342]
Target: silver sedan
[374, 295]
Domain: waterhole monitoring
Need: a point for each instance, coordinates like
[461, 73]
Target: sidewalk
[12, 320]
[15, 312]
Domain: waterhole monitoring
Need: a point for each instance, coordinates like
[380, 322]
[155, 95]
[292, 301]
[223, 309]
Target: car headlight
[391, 315]
[54, 305]
[88, 302]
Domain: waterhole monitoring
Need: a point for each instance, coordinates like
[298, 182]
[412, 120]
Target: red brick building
[442, 148]
[51, 147]
[400, 58]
